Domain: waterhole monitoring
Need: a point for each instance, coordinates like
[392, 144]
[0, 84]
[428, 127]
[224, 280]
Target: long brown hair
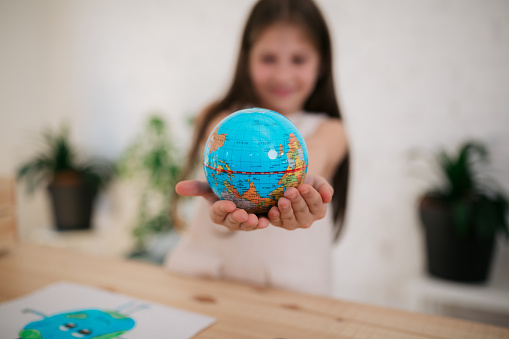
[265, 13]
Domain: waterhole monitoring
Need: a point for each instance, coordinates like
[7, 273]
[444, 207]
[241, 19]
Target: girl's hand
[222, 212]
[299, 208]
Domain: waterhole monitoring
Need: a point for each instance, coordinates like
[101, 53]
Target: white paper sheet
[68, 310]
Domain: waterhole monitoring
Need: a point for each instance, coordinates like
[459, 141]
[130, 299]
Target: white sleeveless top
[298, 260]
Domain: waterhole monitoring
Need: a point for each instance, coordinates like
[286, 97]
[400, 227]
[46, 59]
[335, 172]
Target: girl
[284, 64]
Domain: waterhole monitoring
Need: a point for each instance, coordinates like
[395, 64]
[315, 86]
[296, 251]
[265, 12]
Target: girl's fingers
[287, 216]
[314, 201]
[322, 186]
[326, 191]
[254, 222]
[235, 219]
[274, 216]
[220, 210]
[250, 224]
[263, 222]
[225, 213]
[192, 188]
[299, 206]
[195, 188]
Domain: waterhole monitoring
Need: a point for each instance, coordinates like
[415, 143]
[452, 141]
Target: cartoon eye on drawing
[86, 324]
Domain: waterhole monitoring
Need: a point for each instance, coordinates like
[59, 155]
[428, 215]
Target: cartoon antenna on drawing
[87, 323]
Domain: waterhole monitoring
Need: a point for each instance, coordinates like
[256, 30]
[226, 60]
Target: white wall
[411, 75]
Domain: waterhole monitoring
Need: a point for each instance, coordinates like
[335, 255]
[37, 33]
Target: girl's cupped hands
[298, 208]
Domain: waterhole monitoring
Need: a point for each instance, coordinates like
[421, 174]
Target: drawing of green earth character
[86, 324]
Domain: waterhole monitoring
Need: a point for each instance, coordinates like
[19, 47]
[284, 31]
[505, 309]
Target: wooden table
[242, 311]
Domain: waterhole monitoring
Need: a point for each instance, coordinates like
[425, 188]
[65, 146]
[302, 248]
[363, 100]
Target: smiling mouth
[282, 91]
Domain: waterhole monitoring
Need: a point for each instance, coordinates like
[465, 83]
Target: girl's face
[283, 66]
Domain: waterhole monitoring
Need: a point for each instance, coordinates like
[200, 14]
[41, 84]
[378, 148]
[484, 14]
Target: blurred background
[413, 77]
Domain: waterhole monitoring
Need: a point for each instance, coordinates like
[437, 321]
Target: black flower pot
[72, 205]
[452, 256]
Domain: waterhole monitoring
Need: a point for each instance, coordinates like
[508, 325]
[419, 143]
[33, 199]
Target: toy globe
[252, 156]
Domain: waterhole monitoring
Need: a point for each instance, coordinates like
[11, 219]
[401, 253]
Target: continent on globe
[216, 140]
[244, 158]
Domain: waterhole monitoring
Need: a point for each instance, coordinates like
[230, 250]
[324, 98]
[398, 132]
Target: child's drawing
[89, 323]
[65, 310]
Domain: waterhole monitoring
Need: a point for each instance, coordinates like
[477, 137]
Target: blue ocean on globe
[252, 156]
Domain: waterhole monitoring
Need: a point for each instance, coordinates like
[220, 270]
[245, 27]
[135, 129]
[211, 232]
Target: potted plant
[72, 182]
[462, 217]
[153, 164]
